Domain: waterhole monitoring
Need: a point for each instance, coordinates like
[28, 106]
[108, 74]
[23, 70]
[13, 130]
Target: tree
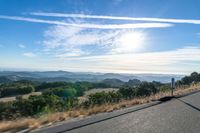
[164, 88]
[61, 92]
[15, 89]
[195, 77]
[187, 80]
[103, 97]
[179, 83]
[146, 89]
[128, 93]
[133, 82]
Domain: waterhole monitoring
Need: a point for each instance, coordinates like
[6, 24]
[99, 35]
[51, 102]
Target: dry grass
[92, 91]
[32, 123]
[26, 96]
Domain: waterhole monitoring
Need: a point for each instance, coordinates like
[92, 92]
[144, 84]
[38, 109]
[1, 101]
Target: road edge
[102, 116]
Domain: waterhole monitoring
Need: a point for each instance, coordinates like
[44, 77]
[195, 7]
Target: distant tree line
[67, 88]
[16, 88]
[127, 92]
[62, 96]
[187, 80]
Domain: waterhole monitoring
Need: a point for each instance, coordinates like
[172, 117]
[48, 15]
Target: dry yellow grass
[32, 123]
[26, 96]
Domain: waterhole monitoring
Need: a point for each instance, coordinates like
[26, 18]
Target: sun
[130, 41]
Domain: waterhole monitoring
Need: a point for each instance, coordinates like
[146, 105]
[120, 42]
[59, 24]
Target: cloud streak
[166, 20]
[29, 54]
[162, 58]
[173, 61]
[21, 46]
[90, 25]
[68, 41]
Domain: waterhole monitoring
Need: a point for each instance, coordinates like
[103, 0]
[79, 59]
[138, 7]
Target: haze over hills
[52, 76]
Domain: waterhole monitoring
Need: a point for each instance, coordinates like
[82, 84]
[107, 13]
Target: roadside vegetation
[60, 100]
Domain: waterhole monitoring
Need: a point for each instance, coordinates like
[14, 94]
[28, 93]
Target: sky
[118, 36]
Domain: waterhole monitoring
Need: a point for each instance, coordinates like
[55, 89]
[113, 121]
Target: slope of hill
[4, 79]
[51, 76]
[132, 82]
[113, 82]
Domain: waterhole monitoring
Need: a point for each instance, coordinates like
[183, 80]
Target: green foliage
[100, 85]
[60, 96]
[179, 82]
[45, 85]
[157, 84]
[112, 83]
[81, 87]
[164, 88]
[16, 88]
[146, 89]
[59, 87]
[35, 105]
[103, 97]
[128, 93]
[143, 89]
[187, 80]
[61, 92]
[132, 83]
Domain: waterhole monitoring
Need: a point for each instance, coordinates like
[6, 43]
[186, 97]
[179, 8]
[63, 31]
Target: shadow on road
[194, 107]
[165, 99]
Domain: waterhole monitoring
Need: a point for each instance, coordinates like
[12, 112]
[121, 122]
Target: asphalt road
[180, 115]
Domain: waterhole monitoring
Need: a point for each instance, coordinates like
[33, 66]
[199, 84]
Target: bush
[35, 105]
[146, 89]
[45, 85]
[103, 97]
[128, 93]
[164, 88]
[187, 80]
[81, 87]
[61, 92]
[10, 90]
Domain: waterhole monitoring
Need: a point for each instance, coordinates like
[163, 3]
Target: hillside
[53, 76]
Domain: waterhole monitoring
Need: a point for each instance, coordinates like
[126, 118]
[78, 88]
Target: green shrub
[103, 97]
[61, 92]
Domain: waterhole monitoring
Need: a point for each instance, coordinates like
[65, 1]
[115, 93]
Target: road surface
[179, 115]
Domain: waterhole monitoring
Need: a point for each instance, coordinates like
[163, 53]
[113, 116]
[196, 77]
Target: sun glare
[131, 41]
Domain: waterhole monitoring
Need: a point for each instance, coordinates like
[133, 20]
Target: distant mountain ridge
[52, 76]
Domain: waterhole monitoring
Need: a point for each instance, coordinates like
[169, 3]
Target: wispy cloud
[21, 46]
[67, 38]
[71, 53]
[183, 60]
[90, 25]
[174, 61]
[166, 20]
[76, 43]
[162, 58]
[67, 41]
[29, 54]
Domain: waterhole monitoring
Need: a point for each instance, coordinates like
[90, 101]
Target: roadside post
[172, 86]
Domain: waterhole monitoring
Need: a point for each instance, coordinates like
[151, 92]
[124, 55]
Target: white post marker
[172, 86]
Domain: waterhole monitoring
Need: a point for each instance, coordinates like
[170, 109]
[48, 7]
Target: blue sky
[123, 36]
